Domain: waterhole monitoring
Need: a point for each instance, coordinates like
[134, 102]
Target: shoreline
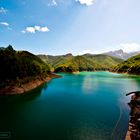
[125, 73]
[37, 81]
[133, 132]
[127, 137]
[23, 88]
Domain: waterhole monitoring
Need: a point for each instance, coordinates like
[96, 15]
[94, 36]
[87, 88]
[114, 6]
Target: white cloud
[41, 29]
[85, 51]
[88, 52]
[85, 2]
[4, 23]
[44, 29]
[130, 47]
[30, 30]
[53, 3]
[3, 10]
[36, 29]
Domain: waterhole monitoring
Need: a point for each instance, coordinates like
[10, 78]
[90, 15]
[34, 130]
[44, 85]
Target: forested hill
[131, 65]
[87, 62]
[20, 65]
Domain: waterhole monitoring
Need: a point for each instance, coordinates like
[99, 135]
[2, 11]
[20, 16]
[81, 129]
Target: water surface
[84, 106]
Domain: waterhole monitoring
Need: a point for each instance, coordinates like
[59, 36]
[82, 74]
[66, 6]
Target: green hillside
[131, 65]
[87, 62]
[20, 65]
[103, 61]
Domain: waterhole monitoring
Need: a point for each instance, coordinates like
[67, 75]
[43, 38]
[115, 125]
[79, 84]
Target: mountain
[2, 48]
[121, 54]
[86, 62]
[20, 66]
[131, 65]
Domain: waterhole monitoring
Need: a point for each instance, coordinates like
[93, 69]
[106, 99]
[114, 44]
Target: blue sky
[70, 26]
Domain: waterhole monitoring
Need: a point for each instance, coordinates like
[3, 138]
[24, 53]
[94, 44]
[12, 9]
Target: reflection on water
[84, 106]
[21, 98]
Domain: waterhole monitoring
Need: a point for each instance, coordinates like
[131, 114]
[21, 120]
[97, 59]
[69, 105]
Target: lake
[83, 106]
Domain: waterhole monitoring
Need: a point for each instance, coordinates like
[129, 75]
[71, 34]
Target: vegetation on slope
[103, 61]
[20, 65]
[87, 62]
[132, 65]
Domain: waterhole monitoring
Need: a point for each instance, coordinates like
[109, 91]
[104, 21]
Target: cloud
[85, 52]
[130, 47]
[53, 3]
[36, 29]
[85, 2]
[30, 30]
[44, 29]
[88, 52]
[3, 10]
[4, 23]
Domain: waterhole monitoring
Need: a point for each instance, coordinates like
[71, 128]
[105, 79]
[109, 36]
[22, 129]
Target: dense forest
[87, 62]
[131, 65]
[20, 66]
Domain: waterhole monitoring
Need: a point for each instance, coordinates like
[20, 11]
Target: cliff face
[134, 123]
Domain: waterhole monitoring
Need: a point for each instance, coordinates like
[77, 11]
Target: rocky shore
[134, 121]
[19, 88]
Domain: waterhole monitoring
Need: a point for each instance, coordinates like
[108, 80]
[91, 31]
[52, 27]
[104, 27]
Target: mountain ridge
[121, 54]
[115, 53]
[131, 66]
[86, 62]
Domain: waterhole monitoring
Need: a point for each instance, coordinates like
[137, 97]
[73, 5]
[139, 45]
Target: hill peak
[68, 54]
[121, 54]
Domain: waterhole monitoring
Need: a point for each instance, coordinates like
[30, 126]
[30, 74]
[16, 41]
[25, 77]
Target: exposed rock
[134, 122]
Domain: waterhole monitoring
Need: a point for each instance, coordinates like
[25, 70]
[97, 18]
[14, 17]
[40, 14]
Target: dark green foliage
[10, 48]
[69, 68]
[132, 65]
[19, 65]
[87, 62]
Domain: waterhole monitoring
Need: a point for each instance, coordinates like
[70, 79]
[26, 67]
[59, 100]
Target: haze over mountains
[121, 54]
[86, 62]
[116, 53]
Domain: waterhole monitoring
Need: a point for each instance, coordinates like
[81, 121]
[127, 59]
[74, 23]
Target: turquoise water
[84, 106]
